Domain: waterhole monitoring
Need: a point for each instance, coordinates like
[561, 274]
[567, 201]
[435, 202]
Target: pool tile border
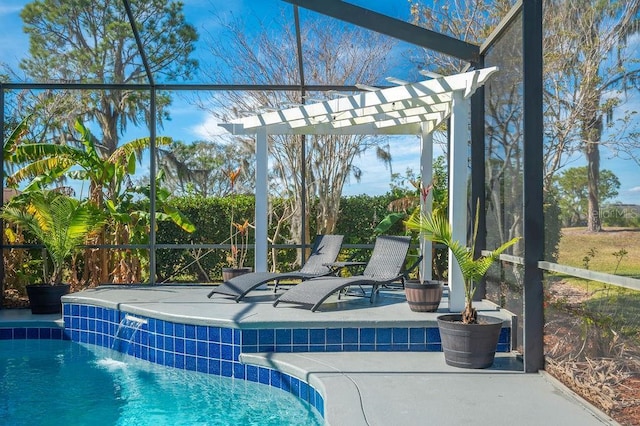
[216, 350]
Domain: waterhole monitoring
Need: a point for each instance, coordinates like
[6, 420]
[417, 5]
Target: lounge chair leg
[211, 294]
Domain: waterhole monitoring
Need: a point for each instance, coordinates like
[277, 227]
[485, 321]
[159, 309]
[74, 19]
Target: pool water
[54, 382]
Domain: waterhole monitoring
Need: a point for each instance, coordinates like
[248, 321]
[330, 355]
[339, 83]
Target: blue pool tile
[226, 369]
[6, 333]
[179, 361]
[202, 365]
[214, 334]
[226, 352]
[201, 332]
[276, 378]
[178, 330]
[190, 363]
[160, 341]
[226, 335]
[334, 336]
[160, 357]
[239, 371]
[333, 348]
[190, 331]
[66, 309]
[350, 335]
[33, 333]
[169, 343]
[19, 333]
[266, 348]
[252, 373]
[236, 352]
[45, 333]
[304, 391]
[178, 345]
[300, 348]
[75, 310]
[168, 328]
[202, 348]
[301, 336]
[92, 312]
[383, 336]
[169, 359]
[317, 336]
[285, 382]
[237, 336]
[215, 367]
[367, 335]
[214, 350]
[264, 375]
[417, 335]
[249, 337]
[250, 349]
[367, 347]
[190, 347]
[433, 335]
[295, 386]
[84, 310]
[350, 348]
[400, 347]
[417, 347]
[283, 336]
[400, 335]
[317, 348]
[384, 348]
[434, 347]
[284, 349]
[266, 337]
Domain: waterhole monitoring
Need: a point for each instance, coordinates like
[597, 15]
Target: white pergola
[409, 109]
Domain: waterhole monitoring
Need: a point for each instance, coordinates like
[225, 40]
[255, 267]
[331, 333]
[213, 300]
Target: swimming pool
[58, 382]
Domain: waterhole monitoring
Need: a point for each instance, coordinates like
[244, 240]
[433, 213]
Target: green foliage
[58, 221]
[92, 42]
[436, 228]
[552, 227]
[573, 193]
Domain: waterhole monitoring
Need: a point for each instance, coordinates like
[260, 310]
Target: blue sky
[193, 124]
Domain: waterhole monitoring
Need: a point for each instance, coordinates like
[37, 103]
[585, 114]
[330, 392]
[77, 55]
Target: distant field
[576, 243]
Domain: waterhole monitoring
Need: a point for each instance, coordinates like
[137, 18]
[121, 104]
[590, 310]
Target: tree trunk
[592, 152]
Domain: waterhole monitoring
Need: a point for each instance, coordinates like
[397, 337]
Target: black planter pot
[469, 345]
[45, 299]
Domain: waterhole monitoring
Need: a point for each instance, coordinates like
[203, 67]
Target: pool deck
[361, 388]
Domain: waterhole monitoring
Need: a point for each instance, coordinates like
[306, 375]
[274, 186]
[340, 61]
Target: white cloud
[208, 129]
[634, 189]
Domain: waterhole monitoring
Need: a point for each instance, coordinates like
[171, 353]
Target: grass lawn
[577, 245]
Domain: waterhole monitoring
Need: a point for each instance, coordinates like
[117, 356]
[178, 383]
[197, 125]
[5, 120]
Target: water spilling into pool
[51, 382]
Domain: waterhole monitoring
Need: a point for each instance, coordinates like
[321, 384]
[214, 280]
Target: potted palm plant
[60, 223]
[468, 340]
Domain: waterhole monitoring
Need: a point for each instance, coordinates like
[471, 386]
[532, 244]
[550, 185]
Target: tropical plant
[436, 227]
[238, 231]
[58, 221]
[110, 189]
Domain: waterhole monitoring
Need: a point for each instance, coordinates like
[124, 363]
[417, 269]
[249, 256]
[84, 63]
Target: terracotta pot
[469, 345]
[45, 299]
[228, 273]
[423, 297]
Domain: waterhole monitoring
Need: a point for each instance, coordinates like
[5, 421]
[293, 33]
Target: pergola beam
[392, 27]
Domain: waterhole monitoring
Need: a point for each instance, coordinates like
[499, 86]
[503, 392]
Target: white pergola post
[458, 178]
[426, 173]
[261, 208]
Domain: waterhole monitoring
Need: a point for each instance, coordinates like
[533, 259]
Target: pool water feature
[57, 382]
[127, 329]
